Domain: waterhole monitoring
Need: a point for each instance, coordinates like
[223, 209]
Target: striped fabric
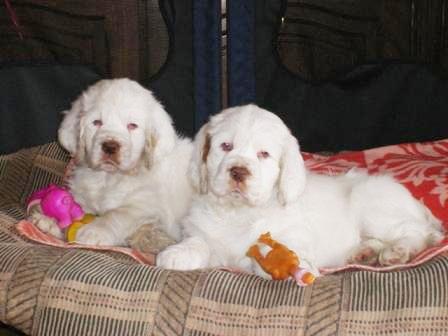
[29, 230]
[46, 290]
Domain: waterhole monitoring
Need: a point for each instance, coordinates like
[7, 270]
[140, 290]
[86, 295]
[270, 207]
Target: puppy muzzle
[110, 150]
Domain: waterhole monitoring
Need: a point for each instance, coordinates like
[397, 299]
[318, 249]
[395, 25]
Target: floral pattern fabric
[421, 167]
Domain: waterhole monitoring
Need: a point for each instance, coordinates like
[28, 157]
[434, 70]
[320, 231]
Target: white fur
[145, 182]
[323, 219]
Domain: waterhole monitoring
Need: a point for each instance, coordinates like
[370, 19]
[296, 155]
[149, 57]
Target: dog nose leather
[239, 174]
[110, 147]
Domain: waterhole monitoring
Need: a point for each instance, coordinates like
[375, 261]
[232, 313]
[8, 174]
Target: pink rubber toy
[57, 202]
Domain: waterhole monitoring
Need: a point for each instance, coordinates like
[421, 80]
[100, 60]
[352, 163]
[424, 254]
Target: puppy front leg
[44, 223]
[111, 228]
[189, 254]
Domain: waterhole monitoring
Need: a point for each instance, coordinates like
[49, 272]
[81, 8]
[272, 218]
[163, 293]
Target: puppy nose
[110, 147]
[239, 174]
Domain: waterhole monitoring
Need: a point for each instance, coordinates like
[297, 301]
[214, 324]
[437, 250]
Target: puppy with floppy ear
[256, 182]
[131, 166]
[69, 133]
[273, 176]
[198, 164]
[160, 134]
[292, 179]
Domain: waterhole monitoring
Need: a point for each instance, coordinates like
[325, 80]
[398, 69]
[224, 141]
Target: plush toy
[72, 230]
[58, 204]
[280, 262]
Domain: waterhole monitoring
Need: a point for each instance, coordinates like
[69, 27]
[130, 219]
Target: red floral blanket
[421, 167]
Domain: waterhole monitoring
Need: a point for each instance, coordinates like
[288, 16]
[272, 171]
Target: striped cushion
[47, 290]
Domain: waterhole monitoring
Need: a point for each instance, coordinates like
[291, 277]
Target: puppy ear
[160, 134]
[69, 133]
[198, 162]
[292, 178]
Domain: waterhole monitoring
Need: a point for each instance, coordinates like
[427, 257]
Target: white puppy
[131, 167]
[252, 179]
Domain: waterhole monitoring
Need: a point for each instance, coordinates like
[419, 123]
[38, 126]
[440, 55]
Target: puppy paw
[46, 224]
[256, 269]
[149, 238]
[182, 257]
[394, 255]
[365, 256]
[96, 233]
[435, 237]
[367, 253]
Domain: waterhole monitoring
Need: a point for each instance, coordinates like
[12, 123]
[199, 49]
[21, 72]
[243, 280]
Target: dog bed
[47, 290]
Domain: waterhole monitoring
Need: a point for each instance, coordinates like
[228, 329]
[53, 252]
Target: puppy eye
[97, 123]
[263, 155]
[226, 146]
[132, 126]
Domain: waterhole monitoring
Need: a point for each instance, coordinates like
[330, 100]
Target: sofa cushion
[32, 98]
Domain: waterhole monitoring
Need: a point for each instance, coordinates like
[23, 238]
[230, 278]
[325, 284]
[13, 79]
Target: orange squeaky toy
[280, 262]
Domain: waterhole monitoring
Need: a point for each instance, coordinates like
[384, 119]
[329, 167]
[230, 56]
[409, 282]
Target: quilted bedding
[46, 290]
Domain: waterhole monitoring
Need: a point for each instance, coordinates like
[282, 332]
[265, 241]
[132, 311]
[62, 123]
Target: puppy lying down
[251, 179]
[130, 165]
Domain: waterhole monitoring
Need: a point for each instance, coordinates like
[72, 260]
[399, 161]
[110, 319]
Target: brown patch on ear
[206, 148]
[153, 141]
[81, 151]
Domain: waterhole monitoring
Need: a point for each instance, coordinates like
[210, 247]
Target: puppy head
[246, 155]
[115, 125]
